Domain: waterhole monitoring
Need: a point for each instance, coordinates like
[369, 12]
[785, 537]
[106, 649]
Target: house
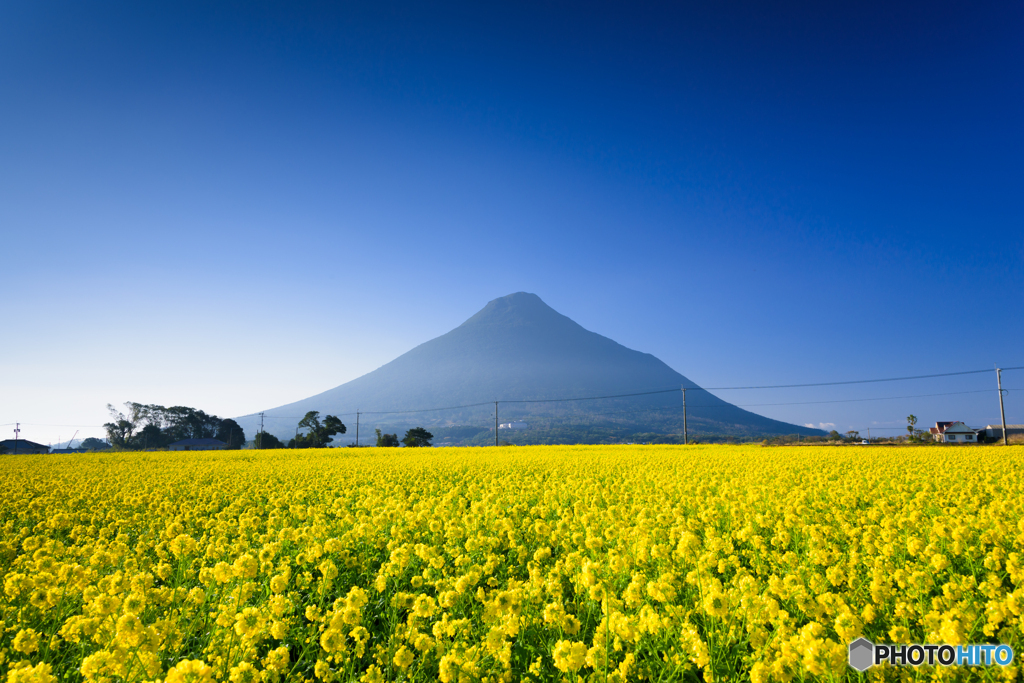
[994, 432]
[21, 446]
[518, 424]
[198, 445]
[953, 432]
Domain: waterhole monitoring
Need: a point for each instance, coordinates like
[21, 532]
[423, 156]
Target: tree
[853, 435]
[834, 436]
[94, 444]
[320, 433]
[266, 441]
[230, 432]
[387, 440]
[911, 421]
[122, 429]
[417, 437]
[182, 422]
[154, 426]
[150, 436]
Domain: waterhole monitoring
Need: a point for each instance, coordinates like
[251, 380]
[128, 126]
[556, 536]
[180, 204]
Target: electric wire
[651, 393]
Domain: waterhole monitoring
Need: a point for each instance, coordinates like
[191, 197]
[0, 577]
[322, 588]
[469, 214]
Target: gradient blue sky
[237, 205]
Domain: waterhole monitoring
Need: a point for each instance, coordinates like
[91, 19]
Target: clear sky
[233, 206]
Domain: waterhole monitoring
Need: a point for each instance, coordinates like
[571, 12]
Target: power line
[425, 410]
[794, 403]
[858, 381]
[39, 424]
[590, 398]
[854, 400]
[651, 393]
[673, 390]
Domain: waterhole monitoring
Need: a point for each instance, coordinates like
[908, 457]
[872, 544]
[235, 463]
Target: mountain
[515, 350]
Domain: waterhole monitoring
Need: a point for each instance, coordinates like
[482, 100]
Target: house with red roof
[953, 432]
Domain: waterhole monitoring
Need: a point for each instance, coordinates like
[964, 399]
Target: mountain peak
[518, 308]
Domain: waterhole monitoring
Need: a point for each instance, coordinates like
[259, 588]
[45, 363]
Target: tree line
[416, 437]
[141, 426]
[319, 433]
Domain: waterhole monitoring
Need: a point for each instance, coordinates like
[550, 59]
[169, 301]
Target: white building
[518, 424]
[953, 432]
[996, 431]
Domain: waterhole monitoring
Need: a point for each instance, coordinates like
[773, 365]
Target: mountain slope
[517, 348]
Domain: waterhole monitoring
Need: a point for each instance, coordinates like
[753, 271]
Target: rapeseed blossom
[558, 563]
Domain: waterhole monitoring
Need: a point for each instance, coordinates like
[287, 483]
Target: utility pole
[259, 440]
[1002, 413]
[357, 427]
[17, 430]
[495, 423]
[686, 436]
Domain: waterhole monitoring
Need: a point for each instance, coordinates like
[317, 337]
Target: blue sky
[233, 206]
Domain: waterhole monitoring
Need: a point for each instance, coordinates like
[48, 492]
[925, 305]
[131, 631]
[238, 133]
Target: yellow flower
[26, 641]
[332, 640]
[40, 673]
[329, 570]
[422, 642]
[277, 660]
[372, 675]
[222, 572]
[495, 639]
[403, 657]
[246, 566]
[424, 606]
[279, 583]
[183, 545]
[449, 668]
[716, 604]
[130, 631]
[569, 656]
[244, 672]
[190, 671]
[596, 657]
[278, 630]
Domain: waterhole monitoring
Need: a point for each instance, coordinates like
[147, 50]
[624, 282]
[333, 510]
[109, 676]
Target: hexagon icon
[862, 654]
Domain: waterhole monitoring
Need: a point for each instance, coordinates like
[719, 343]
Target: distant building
[198, 445]
[21, 446]
[996, 431]
[953, 432]
[518, 424]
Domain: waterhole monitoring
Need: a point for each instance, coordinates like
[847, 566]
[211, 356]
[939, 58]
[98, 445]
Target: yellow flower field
[660, 563]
